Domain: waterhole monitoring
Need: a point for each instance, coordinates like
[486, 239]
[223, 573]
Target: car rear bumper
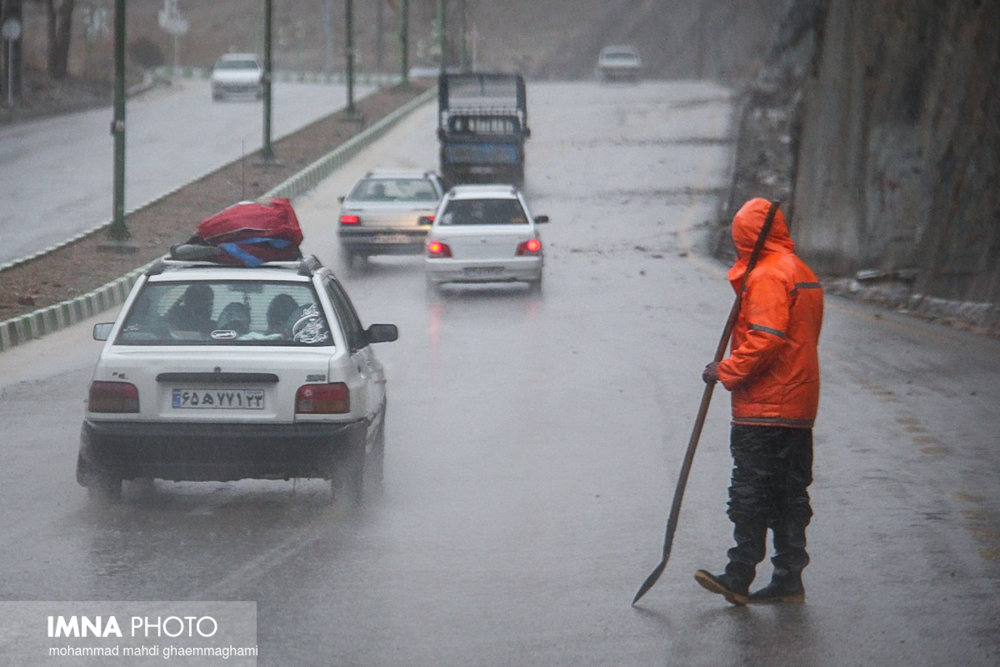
[217, 452]
[385, 241]
[523, 269]
[237, 88]
[618, 72]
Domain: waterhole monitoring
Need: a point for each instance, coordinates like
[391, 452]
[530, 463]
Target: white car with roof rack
[216, 372]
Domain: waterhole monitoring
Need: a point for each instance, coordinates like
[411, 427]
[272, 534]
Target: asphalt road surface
[534, 443]
[56, 175]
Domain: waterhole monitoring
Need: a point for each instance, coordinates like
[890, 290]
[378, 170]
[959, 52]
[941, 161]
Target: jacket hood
[747, 223]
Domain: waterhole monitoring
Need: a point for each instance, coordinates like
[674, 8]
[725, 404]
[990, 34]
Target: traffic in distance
[235, 357]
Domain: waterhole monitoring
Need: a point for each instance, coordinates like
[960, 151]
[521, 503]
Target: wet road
[534, 442]
[56, 174]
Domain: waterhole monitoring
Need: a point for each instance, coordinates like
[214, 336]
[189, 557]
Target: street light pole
[118, 231]
[442, 42]
[349, 54]
[267, 152]
[404, 40]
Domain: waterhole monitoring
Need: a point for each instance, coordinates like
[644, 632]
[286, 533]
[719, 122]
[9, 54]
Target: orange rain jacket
[773, 369]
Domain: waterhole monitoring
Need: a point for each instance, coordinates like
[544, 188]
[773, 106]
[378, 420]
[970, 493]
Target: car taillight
[323, 399]
[438, 249]
[425, 220]
[529, 247]
[350, 220]
[113, 397]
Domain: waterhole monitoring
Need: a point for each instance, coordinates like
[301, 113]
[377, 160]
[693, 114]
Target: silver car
[620, 61]
[388, 212]
[483, 234]
[237, 74]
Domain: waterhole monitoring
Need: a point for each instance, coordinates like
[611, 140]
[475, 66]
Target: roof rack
[305, 266]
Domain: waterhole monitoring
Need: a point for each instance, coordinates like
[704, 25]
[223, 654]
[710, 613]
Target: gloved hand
[711, 373]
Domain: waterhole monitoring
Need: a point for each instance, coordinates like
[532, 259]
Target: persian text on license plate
[218, 399]
[481, 271]
[392, 238]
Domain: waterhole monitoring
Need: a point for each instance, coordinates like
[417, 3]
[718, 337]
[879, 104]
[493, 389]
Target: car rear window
[239, 312]
[237, 64]
[394, 189]
[484, 212]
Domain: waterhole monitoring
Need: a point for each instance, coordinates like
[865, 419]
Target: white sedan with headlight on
[484, 234]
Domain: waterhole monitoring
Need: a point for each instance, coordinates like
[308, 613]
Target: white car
[219, 372]
[484, 233]
[388, 212]
[237, 74]
[620, 61]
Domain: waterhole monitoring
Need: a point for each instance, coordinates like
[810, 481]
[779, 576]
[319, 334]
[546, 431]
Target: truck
[482, 127]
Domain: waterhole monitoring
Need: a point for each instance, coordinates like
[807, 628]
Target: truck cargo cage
[482, 126]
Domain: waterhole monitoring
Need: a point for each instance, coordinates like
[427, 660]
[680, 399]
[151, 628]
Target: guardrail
[288, 76]
[36, 324]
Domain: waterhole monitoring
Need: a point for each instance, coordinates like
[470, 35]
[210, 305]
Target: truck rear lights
[323, 399]
[529, 247]
[350, 220]
[113, 397]
[438, 249]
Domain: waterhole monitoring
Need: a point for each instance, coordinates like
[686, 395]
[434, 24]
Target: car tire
[101, 486]
[348, 480]
[347, 259]
[104, 488]
[434, 291]
[374, 468]
[535, 286]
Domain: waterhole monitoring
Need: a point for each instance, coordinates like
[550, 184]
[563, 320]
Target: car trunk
[240, 384]
[485, 241]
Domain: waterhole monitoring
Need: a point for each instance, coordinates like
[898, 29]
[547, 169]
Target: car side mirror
[340, 200]
[541, 218]
[425, 221]
[102, 330]
[382, 333]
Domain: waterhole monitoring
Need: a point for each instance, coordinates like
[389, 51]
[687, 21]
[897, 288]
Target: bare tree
[60, 32]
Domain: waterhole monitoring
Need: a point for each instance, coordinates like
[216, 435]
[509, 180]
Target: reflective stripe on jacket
[773, 367]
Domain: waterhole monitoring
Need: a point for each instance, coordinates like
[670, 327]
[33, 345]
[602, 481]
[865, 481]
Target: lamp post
[404, 40]
[349, 55]
[267, 152]
[442, 42]
[118, 231]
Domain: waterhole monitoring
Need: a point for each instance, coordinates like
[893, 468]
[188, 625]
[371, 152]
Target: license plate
[218, 399]
[483, 271]
[392, 238]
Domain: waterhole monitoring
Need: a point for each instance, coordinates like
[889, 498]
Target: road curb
[50, 319]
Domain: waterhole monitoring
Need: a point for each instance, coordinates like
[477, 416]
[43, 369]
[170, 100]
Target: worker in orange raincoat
[773, 374]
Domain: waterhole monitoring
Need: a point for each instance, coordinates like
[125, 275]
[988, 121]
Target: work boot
[786, 587]
[734, 588]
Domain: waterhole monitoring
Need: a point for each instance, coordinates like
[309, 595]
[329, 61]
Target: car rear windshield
[237, 64]
[238, 312]
[394, 189]
[484, 212]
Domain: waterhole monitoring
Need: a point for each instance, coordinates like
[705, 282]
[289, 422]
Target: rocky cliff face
[896, 151]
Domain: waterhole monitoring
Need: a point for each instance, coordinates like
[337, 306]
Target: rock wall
[897, 148]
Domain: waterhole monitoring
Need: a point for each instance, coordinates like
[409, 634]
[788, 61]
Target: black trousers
[772, 470]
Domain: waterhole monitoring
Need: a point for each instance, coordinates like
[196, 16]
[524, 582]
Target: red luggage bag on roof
[254, 232]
